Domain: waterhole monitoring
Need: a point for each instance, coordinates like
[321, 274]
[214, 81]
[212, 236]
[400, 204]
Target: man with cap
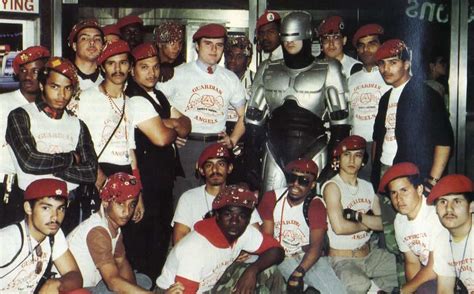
[31, 247]
[268, 36]
[131, 30]
[45, 140]
[169, 38]
[297, 219]
[26, 66]
[416, 225]
[203, 91]
[97, 243]
[454, 251]
[288, 105]
[353, 213]
[238, 55]
[86, 39]
[333, 40]
[111, 33]
[366, 87]
[155, 132]
[199, 260]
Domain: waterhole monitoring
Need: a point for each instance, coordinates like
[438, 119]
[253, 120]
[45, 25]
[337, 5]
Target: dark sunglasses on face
[303, 181]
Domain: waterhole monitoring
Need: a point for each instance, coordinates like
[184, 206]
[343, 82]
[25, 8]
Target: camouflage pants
[268, 281]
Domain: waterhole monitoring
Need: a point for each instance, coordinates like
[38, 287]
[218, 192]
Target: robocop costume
[289, 102]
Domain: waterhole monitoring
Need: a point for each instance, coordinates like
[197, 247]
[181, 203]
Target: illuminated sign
[19, 6]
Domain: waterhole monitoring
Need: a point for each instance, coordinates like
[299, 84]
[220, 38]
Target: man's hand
[139, 210]
[295, 282]
[247, 282]
[77, 158]
[180, 142]
[243, 256]
[101, 178]
[50, 286]
[225, 139]
[176, 288]
[351, 215]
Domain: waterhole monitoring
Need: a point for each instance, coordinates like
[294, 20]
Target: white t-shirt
[141, 109]
[20, 276]
[360, 198]
[274, 55]
[199, 259]
[347, 63]
[365, 90]
[204, 97]
[451, 264]
[8, 102]
[194, 204]
[418, 235]
[390, 146]
[101, 115]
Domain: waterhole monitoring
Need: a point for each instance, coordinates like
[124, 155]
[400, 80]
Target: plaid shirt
[61, 165]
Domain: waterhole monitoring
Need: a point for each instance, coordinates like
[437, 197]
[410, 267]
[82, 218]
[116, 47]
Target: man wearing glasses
[29, 248]
[297, 219]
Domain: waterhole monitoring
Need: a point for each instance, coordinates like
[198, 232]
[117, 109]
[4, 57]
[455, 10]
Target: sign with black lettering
[19, 6]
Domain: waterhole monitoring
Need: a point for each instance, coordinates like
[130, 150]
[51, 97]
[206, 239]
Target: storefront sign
[19, 6]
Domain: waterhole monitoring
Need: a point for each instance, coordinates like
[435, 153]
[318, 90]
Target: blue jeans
[320, 276]
[142, 281]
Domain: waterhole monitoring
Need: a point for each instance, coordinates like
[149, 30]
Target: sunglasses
[39, 263]
[303, 181]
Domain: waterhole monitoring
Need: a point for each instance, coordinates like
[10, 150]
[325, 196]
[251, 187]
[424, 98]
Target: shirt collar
[93, 76]
[52, 113]
[209, 229]
[203, 66]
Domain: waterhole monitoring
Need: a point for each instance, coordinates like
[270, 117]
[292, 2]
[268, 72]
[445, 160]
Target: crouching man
[97, 243]
[29, 249]
[202, 256]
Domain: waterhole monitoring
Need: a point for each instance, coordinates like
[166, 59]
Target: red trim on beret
[86, 23]
[143, 51]
[111, 30]
[46, 188]
[216, 150]
[450, 184]
[128, 20]
[267, 17]
[390, 48]
[111, 49]
[64, 67]
[331, 25]
[212, 30]
[353, 142]
[235, 195]
[367, 30]
[403, 169]
[120, 187]
[28, 55]
[302, 165]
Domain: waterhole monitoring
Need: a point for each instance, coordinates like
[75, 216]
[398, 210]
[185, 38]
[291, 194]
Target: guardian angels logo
[207, 100]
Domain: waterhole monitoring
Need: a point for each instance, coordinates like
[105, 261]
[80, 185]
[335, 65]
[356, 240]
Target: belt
[203, 137]
[359, 252]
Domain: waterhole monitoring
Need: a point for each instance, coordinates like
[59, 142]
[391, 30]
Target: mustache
[449, 215]
[118, 74]
[53, 223]
[216, 174]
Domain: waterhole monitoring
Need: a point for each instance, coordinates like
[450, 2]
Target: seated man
[29, 249]
[97, 243]
[454, 252]
[298, 221]
[200, 259]
[353, 213]
[416, 225]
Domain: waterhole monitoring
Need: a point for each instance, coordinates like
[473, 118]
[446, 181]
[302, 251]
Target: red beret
[64, 67]
[128, 20]
[450, 184]
[367, 30]
[267, 17]
[331, 25]
[390, 48]
[235, 195]
[111, 30]
[120, 187]
[212, 30]
[111, 49]
[302, 165]
[403, 169]
[169, 32]
[28, 55]
[213, 151]
[87, 23]
[353, 142]
[46, 188]
[144, 50]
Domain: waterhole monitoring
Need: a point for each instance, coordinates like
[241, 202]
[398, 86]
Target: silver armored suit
[291, 104]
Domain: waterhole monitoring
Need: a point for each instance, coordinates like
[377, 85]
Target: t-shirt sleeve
[99, 244]
[60, 245]
[239, 96]
[266, 206]
[183, 213]
[317, 215]
[141, 110]
[189, 285]
[255, 218]
[441, 256]
[267, 243]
